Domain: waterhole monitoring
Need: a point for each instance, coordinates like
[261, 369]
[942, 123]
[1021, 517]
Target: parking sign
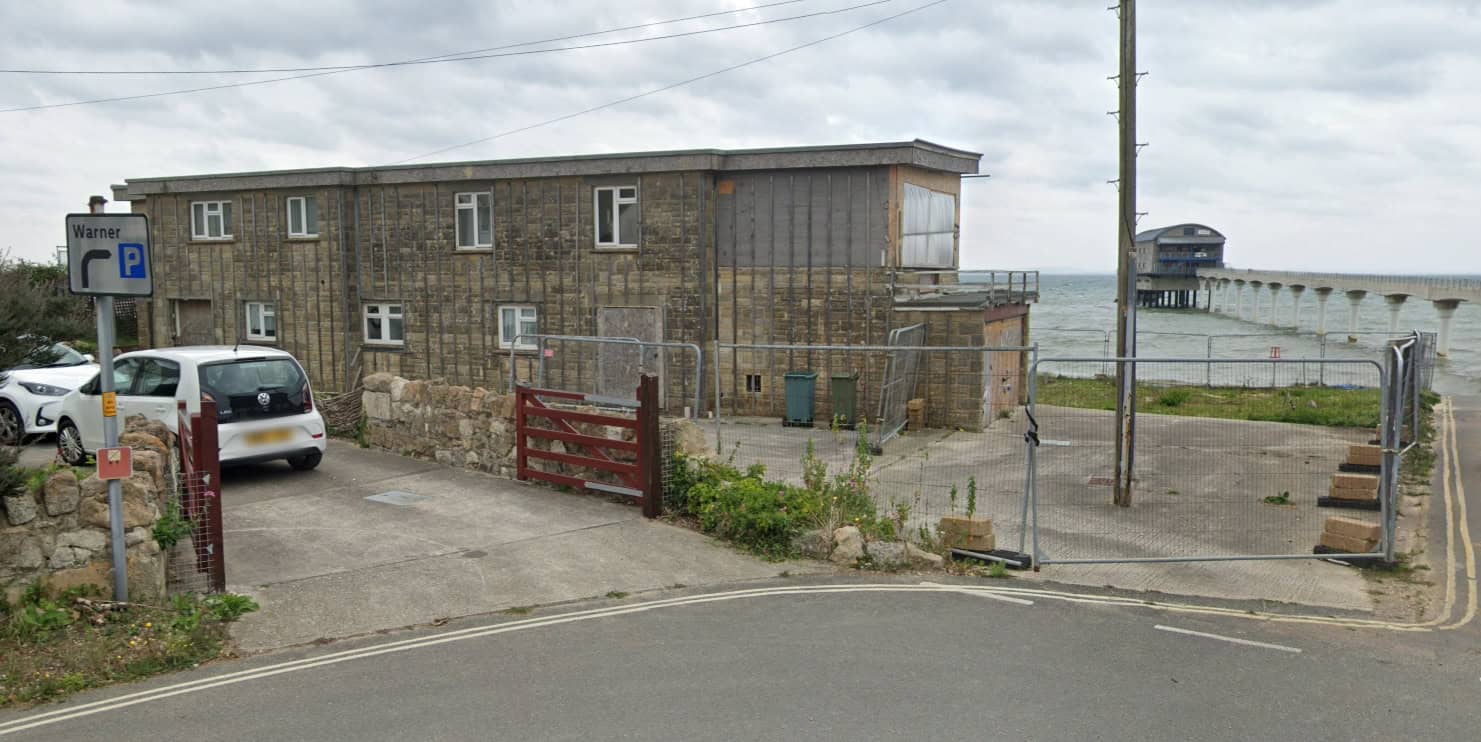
[108, 255]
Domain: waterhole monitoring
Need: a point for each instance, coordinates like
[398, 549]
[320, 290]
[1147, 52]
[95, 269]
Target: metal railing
[1007, 287]
[520, 343]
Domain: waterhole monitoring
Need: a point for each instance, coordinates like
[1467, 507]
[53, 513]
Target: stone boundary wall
[471, 427]
[59, 536]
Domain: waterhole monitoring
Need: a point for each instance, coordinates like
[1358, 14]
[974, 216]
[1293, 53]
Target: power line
[671, 86]
[418, 60]
[434, 60]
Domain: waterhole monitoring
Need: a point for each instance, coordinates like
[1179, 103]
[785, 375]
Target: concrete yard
[326, 562]
[1201, 489]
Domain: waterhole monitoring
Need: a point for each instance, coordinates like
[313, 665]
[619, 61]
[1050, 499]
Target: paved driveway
[372, 541]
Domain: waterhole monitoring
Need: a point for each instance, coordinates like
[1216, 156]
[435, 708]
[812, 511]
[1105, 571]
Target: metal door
[620, 364]
[193, 323]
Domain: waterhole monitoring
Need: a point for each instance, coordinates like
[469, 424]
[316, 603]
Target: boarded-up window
[928, 229]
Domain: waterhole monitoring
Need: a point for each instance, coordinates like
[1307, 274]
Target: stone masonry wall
[472, 427]
[60, 537]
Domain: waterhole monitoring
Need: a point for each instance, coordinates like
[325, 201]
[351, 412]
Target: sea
[1075, 312]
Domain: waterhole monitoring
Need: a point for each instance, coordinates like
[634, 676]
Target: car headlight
[44, 390]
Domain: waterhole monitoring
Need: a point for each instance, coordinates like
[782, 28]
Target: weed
[997, 570]
[518, 610]
[1174, 397]
[971, 496]
[171, 527]
[617, 594]
[36, 478]
[1283, 498]
[228, 607]
[952, 499]
[1172, 492]
[362, 438]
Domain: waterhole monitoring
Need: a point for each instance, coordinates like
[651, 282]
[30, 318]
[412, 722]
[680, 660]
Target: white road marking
[979, 592]
[1230, 639]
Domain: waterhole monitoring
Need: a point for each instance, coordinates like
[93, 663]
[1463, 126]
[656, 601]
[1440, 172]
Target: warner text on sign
[108, 255]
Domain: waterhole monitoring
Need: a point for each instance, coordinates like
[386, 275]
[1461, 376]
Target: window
[617, 216]
[384, 325]
[303, 216]
[210, 220]
[262, 320]
[928, 230]
[158, 378]
[475, 225]
[753, 383]
[515, 322]
[123, 375]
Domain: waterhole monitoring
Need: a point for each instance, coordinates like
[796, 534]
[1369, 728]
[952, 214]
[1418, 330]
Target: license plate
[265, 437]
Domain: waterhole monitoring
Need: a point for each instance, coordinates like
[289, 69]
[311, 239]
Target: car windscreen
[55, 355]
[254, 388]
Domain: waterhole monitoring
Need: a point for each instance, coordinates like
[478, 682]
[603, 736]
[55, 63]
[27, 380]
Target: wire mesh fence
[1230, 457]
[795, 409]
[188, 541]
[608, 366]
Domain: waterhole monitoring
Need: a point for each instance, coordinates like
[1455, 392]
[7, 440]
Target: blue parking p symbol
[130, 260]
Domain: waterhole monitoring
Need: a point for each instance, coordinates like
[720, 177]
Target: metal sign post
[108, 256]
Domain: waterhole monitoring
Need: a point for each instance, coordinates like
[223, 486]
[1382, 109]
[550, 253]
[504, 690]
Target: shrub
[1174, 397]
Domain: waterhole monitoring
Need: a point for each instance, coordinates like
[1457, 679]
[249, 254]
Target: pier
[1226, 293]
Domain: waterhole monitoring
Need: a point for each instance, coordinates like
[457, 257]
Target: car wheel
[69, 444]
[12, 428]
[307, 462]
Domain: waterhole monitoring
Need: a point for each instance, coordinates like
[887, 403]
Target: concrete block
[1338, 493]
[964, 526]
[1363, 482]
[1365, 455]
[377, 405]
[1353, 528]
[1348, 544]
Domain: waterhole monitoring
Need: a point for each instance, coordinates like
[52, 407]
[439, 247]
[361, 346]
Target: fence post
[650, 446]
[1208, 368]
[206, 450]
[521, 460]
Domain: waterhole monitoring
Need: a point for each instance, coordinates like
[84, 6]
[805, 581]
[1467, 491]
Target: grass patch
[1283, 498]
[617, 594]
[519, 610]
[53, 645]
[1305, 405]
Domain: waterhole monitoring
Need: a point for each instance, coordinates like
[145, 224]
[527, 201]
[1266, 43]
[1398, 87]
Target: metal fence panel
[964, 451]
[1206, 487]
[901, 375]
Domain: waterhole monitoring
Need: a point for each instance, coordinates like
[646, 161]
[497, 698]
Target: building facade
[445, 271]
[1167, 263]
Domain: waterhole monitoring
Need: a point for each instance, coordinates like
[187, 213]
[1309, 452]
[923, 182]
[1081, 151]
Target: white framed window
[262, 320]
[384, 325]
[616, 216]
[303, 216]
[210, 220]
[928, 229]
[514, 322]
[475, 220]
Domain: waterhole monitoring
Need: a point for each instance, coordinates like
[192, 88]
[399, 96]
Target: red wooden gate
[200, 489]
[640, 478]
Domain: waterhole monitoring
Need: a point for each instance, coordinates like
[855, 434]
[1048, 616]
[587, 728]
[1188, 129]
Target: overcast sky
[1316, 135]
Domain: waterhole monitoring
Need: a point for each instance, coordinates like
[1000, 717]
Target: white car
[265, 408]
[31, 393]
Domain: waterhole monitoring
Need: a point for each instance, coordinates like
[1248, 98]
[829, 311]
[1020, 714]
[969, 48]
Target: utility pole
[1126, 260]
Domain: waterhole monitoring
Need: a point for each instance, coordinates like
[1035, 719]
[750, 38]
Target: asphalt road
[889, 662]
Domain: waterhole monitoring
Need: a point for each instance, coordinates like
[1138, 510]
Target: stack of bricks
[973, 534]
[1350, 536]
[1364, 456]
[1354, 488]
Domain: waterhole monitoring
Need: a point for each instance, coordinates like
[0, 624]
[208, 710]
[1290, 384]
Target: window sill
[475, 250]
[385, 347]
[259, 341]
[303, 238]
[615, 248]
[521, 351]
[212, 241]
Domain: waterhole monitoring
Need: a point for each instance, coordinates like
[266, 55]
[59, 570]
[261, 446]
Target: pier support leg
[1446, 309]
[1395, 303]
[1354, 299]
[1239, 300]
[1274, 304]
[1322, 295]
[1296, 292]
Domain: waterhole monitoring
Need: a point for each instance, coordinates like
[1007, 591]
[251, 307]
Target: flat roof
[917, 153]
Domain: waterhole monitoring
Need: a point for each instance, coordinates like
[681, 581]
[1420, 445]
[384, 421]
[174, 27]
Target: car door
[90, 415]
[154, 392]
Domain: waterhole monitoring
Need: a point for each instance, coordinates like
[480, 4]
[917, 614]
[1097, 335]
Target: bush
[1174, 397]
[14, 480]
[762, 516]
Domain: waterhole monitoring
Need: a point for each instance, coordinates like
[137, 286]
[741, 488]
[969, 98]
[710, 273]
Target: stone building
[442, 271]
